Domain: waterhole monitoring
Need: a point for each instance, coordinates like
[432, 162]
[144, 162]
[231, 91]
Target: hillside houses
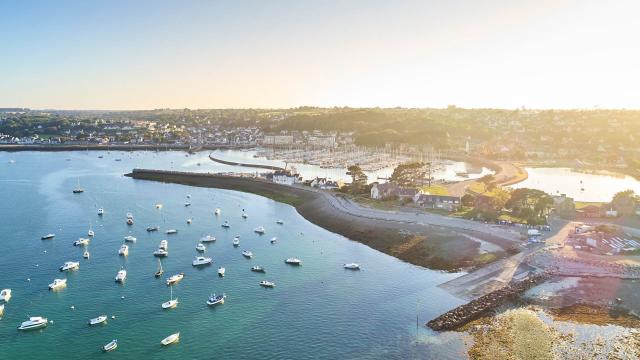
[442, 202]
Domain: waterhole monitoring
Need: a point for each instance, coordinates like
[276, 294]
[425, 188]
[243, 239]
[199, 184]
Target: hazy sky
[125, 54]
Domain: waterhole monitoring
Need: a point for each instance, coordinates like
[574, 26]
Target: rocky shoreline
[463, 314]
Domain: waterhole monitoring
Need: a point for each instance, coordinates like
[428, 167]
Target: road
[343, 204]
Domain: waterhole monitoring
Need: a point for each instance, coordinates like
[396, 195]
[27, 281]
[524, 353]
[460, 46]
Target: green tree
[407, 175]
[625, 202]
[358, 178]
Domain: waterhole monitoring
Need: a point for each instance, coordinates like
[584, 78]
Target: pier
[472, 310]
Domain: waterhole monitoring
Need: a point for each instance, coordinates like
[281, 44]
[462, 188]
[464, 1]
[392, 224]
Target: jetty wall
[233, 163]
[472, 310]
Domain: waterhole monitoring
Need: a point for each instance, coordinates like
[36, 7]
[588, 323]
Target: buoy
[72, 307]
[37, 265]
[122, 297]
[28, 279]
[45, 251]
[51, 321]
[113, 316]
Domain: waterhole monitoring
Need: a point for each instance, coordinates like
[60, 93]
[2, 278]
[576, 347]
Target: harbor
[316, 300]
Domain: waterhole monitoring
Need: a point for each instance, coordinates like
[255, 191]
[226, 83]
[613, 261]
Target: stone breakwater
[233, 163]
[461, 315]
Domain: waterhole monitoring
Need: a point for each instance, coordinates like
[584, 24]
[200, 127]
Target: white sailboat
[172, 303]
[160, 270]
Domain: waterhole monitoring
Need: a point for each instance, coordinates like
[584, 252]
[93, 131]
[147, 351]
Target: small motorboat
[172, 303]
[200, 247]
[352, 266]
[91, 233]
[236, 241]
[78, 190]
[98, 320]
[269, 284]
[124, 250]
[189, 221]
[70, 265]
[1, 310]
[58, 284]
[129, 215]
[221, 271]
[171, 339]
[121, 276]
[273, 240]
[280, 222]
[217, 211]
[5, 295]
[174, 279]
[152, 228]
[259, 230]
[48, 237]
[100, 212]
[171, 231]
[293, 261]
[248, 254]
[111, 346]
[164, 245]
[201, 261]
[207, 238]
[161, 253]
[81, 242]
[129, 221]
[188, 196]
[187, 203]
[130, 238]
[216, 299]
[34, 322]
[226, 225]
[244, 215]
[160, 270]
[86, 254]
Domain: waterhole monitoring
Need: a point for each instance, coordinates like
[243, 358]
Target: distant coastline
[119, 147]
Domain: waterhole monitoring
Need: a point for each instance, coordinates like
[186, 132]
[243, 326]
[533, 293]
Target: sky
[146, 54]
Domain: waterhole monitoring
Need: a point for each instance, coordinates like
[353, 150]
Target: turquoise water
[318, 310]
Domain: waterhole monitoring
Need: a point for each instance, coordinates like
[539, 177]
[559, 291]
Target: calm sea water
[318, 310]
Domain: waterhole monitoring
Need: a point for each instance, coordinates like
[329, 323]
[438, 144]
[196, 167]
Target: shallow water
[596, 187]
[318, 310]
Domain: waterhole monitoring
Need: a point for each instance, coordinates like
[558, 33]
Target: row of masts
[369, 159]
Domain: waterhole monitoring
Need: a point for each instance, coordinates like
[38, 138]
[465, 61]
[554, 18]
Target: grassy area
[583, 204]
[436, 189]
[477, 187]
